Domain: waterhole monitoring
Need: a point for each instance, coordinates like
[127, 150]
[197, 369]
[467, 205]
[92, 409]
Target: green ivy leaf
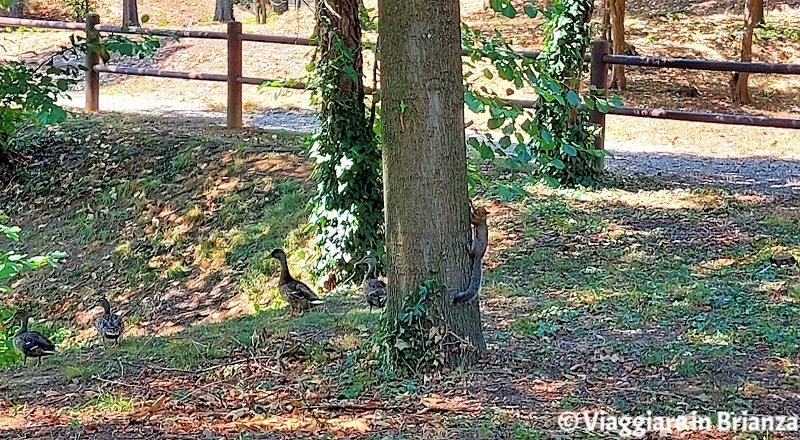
[509, 10]
[530, 11]
[495, 123]
[573, 98]
[569, 149]
[546, 136]
[473, 103]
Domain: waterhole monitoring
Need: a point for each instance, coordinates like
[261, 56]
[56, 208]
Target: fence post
[92, 87]
[234, 74]
[599, 79]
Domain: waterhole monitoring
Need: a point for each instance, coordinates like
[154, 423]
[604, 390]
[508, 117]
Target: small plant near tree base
[415, 343]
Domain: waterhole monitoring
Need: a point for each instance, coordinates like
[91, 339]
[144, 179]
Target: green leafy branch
[556, 137]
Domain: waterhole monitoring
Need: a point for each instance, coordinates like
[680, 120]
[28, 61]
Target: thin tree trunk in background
[740, 92]
[130, 13]
[224, 11]
[16, 8]
[617, 8]
[424, 163]
[758, 12]
[263, 9]
[606, 35]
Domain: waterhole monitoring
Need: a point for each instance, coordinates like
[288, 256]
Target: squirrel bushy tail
[480, 242]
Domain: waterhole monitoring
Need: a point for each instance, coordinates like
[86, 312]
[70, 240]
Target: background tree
[617, 16]
[347, 215]
[426, 200]
[753, 13]
[130, 13]
[223, 11]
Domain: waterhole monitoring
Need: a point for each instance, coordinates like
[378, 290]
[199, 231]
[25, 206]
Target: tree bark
[606, 34]
[617, 8]
[16, 8]
[740, 92]
[758, 12]
[547, 3]
[424, 163]
[130, 13]
[224, 11]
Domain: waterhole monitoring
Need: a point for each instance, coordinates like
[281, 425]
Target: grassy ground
[641, 296]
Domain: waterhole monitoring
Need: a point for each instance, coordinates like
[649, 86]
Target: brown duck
[294, 292]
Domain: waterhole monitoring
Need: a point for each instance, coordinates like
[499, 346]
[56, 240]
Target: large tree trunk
[224, 11]
[617, 8]
[424, 163]
[15, 8]
[739, 89]
[130, 13]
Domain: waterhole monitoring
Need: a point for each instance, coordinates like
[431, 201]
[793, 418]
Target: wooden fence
[600, 60]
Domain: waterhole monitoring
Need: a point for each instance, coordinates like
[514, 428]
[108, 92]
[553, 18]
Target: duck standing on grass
[294, 292]
[30, 343]
[374, 289]
[109, 325]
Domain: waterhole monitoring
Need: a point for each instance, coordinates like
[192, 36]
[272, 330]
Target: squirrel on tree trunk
[480, 241]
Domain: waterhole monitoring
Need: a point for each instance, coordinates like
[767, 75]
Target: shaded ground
[643, 296]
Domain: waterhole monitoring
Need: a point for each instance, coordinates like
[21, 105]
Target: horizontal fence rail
[278, 39]
[135, 71]
[42, 24]
[34, 61]
[719, 66]
[178, 33]
[716, 118]
[599, 59]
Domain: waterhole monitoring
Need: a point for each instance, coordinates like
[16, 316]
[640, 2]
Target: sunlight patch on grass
[106, 401]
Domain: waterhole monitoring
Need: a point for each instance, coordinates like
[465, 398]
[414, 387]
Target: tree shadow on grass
[642, 298]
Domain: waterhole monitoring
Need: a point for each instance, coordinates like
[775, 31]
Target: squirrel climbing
[480, 241]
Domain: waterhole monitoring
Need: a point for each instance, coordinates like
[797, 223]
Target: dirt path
[767, 161]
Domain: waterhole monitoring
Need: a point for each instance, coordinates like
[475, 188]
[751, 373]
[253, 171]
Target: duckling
[374, 289]
[294, 292]
[109, 325]
[30, 343]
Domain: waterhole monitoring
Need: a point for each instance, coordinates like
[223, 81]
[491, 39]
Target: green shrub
[12, 263]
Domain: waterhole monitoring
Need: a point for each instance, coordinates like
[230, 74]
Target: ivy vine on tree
[347, 210]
